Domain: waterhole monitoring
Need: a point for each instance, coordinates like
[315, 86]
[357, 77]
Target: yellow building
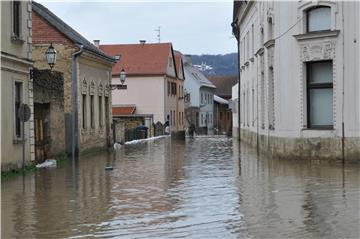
[15, 83]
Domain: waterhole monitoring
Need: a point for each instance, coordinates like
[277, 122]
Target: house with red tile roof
[154, 81]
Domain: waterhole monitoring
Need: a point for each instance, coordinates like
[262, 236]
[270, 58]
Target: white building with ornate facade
[300, 81]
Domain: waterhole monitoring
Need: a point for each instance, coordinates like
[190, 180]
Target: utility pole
[158, 33]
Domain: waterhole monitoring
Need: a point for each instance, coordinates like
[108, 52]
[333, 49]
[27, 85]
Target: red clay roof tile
[140, 59]
[123, 110]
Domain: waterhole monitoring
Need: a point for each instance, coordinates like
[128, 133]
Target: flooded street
[201, 188]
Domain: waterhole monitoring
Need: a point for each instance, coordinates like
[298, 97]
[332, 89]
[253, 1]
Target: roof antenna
[159, 33]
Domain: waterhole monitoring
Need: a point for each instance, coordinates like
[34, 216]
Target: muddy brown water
[201, 188]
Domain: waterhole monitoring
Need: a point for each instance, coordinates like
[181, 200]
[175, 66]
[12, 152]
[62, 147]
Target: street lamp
[122, 81]
[122, 76]
[51, 56]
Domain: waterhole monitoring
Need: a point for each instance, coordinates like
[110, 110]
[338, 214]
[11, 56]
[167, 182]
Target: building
[152, 81]
[92, 73]
[199, 99]
[299, 90]
[15, 83]
[222, 110]
[222, 116]
[223, 85]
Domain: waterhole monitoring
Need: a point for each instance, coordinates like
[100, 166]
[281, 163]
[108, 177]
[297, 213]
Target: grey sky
[200, 27]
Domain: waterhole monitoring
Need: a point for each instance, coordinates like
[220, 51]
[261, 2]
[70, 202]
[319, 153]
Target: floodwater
[201, 188]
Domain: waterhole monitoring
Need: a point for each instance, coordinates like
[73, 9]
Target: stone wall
[122, 124]
[304, 148]
[49, 89]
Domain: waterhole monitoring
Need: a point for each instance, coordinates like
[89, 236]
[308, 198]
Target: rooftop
[140, 59]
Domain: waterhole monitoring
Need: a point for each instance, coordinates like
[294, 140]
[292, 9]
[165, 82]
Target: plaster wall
[147, 93]
[283, 46]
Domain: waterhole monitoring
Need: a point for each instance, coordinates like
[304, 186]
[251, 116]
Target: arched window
[319, 19]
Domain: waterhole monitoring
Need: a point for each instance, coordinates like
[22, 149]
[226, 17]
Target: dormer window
[319, 19]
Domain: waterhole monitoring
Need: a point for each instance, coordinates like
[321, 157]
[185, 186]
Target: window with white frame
[318, 19]
[320, 94]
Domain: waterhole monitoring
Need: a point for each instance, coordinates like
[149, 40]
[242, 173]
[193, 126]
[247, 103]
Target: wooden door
[41, 123]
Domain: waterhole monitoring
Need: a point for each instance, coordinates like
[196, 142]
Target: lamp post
[51, 56]
[122, 77]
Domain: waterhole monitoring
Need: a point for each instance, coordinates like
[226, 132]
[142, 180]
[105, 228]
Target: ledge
[269, 43]
[316, 35]
[260, 51]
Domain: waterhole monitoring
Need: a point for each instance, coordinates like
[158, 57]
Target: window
[320, 94]
[221, 115]
[252, 40]
[100, 112]
[107, 113]
[92, 123]
[84, 111]
[262, 100]
[202, 100]
[16, 18]
[252, 107]
[174, 117]
[270, 28]
[169, 89]
[271, 99]
[247, 46]
[18, 101]
[318, 19]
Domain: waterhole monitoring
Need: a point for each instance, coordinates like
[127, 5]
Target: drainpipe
[236, 32]
[343, 92]
[74, 104]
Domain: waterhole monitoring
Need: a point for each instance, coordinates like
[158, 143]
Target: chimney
[142, 42]
[97, 43]
[187, 59]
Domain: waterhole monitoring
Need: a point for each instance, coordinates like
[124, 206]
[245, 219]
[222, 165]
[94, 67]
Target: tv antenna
[158, 33]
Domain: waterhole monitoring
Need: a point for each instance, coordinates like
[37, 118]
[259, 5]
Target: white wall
[289, 68]
[193, 87]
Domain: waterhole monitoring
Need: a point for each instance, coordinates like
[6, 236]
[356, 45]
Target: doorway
[42, 134]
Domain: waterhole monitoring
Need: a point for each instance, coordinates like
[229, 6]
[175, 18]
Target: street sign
[24, 112]
[121, 87]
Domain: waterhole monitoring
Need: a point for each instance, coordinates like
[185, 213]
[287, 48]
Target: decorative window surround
[269, 43]
[316, 35]
[260, 51]
[84, 87]
[100, 90]
[316, 49]
[107, 90]
[92, 88]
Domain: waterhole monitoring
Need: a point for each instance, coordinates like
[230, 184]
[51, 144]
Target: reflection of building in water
[287, 198]
[141, 186]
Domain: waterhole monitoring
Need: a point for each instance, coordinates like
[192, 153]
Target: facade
[152, 81]
[93, 75]
[15, 84]
[199, 99]
[299, 90]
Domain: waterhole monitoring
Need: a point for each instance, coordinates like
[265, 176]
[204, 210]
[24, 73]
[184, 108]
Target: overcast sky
[194, 27]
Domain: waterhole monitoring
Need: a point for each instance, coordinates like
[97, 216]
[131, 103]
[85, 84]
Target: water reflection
[201, 188]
